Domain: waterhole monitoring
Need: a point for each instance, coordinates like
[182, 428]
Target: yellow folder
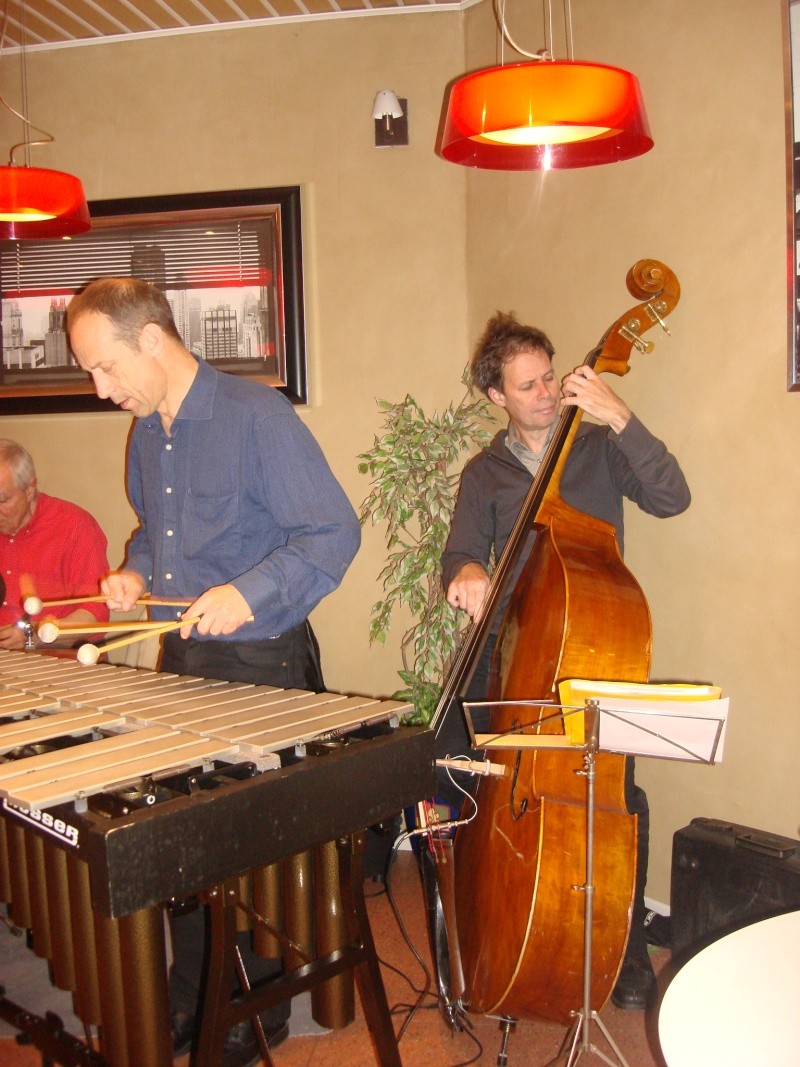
[574, 692]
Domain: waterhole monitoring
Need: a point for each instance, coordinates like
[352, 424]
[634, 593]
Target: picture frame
[230, 263]
[791, 36]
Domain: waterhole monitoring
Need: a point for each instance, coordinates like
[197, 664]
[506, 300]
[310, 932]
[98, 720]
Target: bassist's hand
[585, 389]
[467, 590]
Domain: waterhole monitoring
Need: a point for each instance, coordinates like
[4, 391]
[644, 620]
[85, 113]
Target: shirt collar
[31, 524]
[524, 454]
[197, 404]
[516, 444]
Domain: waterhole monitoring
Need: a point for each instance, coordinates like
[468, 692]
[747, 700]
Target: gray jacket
[602, 468]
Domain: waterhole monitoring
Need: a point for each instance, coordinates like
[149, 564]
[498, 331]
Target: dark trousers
[290, 661]
[452, 739]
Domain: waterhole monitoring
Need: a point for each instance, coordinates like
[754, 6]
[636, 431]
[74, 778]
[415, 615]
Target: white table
[737, 1002]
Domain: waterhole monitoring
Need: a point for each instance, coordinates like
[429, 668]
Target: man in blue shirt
[239, 511]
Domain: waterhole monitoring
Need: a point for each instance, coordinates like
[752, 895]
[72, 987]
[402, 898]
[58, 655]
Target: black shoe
[182, 1032]
[241, 1047]
[658, 930]
[635, 983]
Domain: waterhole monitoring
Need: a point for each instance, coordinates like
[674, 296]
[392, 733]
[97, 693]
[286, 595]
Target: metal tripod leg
[577, 1042]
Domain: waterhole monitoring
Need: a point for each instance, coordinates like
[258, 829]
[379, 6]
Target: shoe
[182, 1032]
[657, 929]
[241, 1047]
[635, 983]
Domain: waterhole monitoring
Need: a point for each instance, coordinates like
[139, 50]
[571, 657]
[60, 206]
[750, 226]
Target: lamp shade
[545, 115]
[37, 203]
[386, 103]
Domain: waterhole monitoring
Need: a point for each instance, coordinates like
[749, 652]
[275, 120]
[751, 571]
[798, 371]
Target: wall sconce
[391, 119]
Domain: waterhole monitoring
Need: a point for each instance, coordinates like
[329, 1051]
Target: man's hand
[467, 590]
[223, 610]
[123, 588]
[12, 637]
[587, 390]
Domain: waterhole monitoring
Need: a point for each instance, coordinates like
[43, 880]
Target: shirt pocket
[211, 529]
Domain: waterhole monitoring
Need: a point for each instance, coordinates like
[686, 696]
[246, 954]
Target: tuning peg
[630, 331]
[655, 311]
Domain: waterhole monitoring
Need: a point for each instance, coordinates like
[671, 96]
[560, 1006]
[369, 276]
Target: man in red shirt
[57, 546]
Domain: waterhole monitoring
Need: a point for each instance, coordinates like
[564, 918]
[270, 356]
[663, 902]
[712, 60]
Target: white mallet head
[88, 655]
[32, 605]
[48, 632]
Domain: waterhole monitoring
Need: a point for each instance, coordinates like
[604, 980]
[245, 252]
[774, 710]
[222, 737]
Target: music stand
[707, 748]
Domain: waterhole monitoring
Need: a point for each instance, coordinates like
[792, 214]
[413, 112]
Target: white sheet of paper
[670, 729]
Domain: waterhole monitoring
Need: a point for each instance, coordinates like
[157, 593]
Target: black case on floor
[726, 876]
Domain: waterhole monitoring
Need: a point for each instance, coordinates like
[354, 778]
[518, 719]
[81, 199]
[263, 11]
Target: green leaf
[414, 465]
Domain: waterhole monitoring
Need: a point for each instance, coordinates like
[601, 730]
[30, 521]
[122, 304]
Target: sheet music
[692, 730]
[670, 721]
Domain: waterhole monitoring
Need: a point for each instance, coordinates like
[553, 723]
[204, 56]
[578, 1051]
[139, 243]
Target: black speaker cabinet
[726, 876]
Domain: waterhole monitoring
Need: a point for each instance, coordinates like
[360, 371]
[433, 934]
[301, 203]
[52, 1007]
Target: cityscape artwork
[222, 267]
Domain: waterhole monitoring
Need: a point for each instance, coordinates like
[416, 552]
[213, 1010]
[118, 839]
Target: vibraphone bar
[123, 789]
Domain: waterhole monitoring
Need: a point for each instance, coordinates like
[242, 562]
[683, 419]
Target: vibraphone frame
[134, 862]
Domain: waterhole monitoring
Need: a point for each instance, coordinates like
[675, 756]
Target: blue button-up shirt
[238, 493]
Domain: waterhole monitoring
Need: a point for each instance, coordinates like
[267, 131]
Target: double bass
[575, 611]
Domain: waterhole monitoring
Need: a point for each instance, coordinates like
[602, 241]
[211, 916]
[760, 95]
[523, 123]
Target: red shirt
[63, 550]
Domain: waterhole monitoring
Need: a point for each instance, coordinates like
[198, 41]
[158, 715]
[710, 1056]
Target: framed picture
[792, 77]
[230, 264]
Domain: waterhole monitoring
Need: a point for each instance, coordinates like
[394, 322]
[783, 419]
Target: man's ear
[496, 396]
[151, 338]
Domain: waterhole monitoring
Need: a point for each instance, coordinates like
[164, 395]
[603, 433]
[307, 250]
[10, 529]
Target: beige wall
[723, 580]
[406, 256]
[384, 235]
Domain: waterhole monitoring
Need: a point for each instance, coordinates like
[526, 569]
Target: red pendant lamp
[36, 203]
[545, 114]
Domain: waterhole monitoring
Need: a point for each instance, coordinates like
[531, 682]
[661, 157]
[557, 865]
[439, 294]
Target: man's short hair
[129, 303]
[19, 460]
[504, 337]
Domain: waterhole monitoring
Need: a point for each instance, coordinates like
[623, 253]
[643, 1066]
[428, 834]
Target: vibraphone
[123, 790]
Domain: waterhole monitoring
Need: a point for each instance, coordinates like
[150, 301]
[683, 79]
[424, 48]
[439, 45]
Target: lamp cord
[548, 52]
[27, 143]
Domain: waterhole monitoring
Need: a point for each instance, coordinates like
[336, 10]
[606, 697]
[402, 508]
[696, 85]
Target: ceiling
[53, 23]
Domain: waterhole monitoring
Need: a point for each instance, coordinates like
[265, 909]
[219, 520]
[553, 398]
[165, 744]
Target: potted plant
[414, 466]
